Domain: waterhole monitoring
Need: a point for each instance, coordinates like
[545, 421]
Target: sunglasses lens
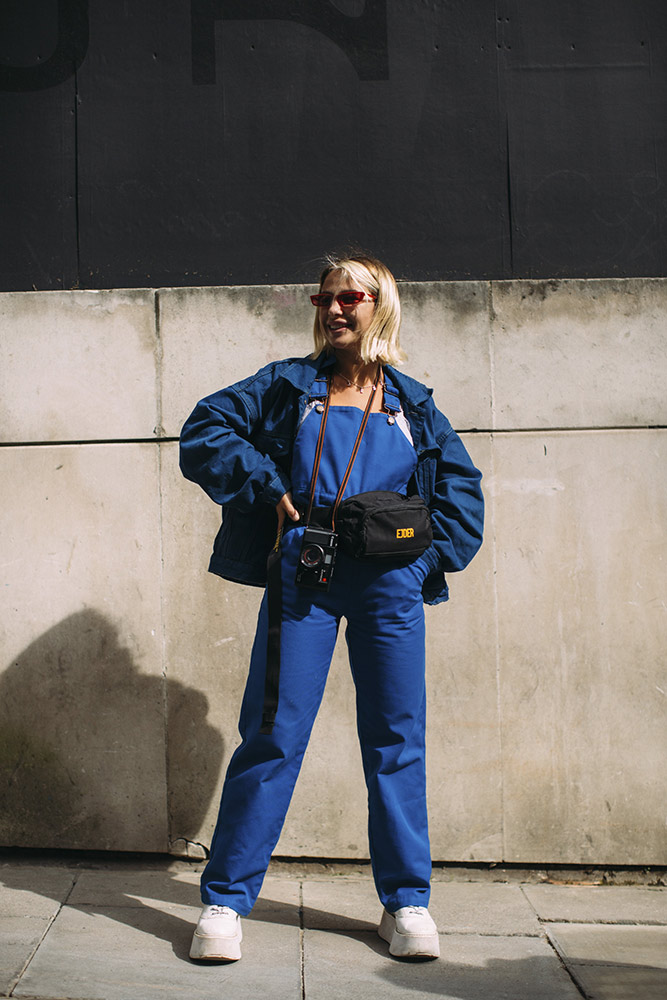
[321, 299]
[350, 298]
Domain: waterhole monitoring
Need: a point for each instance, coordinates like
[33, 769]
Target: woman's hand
[285, 508]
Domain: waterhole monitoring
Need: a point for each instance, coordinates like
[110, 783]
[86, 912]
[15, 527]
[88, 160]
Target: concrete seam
[159, 430]
[163, 652]
[492, 352]
[48, 927]
[472, 431]
[163, 637]
[494, 557]
[496, 626]
[569, 973]
[302, 943]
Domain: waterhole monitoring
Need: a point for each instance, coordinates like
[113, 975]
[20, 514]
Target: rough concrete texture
[125, 931]
[581, 556]
[78, 366]
[212, 337]
[82, 692]
[579, 353]
[545, 670]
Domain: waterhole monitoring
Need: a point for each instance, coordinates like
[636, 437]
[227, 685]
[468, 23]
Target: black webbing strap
[274, 598]
[274, 593]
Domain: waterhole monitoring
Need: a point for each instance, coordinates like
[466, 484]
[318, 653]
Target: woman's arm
[456, 502]
[217, 454]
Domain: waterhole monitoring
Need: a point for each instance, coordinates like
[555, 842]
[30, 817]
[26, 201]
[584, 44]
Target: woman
[252, 447]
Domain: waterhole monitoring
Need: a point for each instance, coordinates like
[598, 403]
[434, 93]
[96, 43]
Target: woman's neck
[354, 369]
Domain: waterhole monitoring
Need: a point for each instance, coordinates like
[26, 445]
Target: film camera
[316, 558]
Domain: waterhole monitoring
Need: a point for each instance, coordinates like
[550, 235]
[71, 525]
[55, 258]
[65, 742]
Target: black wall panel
[176, 142]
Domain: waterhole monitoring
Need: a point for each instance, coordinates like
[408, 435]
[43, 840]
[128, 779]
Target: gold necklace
[361, 388]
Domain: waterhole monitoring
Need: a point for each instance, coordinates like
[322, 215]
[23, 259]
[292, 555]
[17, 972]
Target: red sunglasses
[344, 299]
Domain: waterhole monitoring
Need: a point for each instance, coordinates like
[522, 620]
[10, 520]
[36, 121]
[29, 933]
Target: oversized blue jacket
[237, 445]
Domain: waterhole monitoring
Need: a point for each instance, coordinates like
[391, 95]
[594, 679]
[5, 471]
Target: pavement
[96, 929]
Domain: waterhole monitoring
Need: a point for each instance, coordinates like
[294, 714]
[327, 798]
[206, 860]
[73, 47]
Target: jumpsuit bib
[383, 607]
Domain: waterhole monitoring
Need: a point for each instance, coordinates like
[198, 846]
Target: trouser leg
[386, 643]
[264, 768]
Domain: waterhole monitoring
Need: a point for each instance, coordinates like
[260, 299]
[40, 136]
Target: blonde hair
[380, 342]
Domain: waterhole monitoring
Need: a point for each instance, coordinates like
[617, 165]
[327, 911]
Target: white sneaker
[217, 936]
[411, 933]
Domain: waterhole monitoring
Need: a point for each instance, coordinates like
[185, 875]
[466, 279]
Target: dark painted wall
[196, 142]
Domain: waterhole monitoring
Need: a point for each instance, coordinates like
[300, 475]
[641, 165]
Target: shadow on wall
[82, 745]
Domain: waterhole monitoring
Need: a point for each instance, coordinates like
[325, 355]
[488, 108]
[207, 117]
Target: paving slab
[460, 908]
[621, 983]
[141, 952]
[19, 939]
[599, 903]
[471, 967]
[605, 944]
[33, 892]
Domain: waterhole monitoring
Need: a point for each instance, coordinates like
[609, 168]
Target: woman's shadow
[84, 736]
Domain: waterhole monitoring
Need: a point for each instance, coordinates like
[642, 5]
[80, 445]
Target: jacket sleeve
[217, 453]
[455, 496]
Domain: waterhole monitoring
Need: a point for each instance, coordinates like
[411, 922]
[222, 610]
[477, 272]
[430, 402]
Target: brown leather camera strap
[355, 450]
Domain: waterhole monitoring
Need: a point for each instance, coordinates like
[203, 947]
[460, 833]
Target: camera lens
[312, 555]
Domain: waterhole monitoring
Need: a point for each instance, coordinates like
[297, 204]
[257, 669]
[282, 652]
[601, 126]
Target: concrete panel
[446, 332]
[78, 366]
[580, 353]
[212, 337]
[579, 524]
[209, 627]
[208, 631]
[81, 692]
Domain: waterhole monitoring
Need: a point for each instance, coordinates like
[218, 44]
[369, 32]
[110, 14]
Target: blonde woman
[279, 451]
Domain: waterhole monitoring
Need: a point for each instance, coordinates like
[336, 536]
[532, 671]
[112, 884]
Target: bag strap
[355, 449]
[318, 450]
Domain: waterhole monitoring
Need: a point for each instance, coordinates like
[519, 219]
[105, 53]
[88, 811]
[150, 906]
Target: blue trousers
[382, 603]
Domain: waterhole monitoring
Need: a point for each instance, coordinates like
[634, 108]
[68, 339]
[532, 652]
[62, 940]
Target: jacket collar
[410, 390]
[302, 373]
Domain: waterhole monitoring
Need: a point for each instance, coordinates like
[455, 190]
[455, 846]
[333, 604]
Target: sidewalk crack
[53, 918]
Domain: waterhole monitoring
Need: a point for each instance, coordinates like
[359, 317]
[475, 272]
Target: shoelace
[220, 911]
[416, 909]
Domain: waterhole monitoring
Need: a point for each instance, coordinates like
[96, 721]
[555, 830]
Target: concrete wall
[123, 661]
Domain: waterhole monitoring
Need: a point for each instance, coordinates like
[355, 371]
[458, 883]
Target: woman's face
[343, 326]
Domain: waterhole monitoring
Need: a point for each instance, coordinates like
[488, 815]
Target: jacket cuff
[430, 557]
[276, 489]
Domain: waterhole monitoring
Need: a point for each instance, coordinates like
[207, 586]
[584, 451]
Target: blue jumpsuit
[383, 606]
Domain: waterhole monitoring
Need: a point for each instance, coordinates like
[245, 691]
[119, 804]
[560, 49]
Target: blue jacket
[237, 445]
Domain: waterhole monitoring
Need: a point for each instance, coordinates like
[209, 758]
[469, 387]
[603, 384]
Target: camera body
[316, 558]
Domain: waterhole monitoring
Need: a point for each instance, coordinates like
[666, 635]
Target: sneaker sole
[205, 949]
[407, 945]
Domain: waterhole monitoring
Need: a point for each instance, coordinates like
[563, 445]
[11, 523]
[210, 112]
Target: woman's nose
[335, 308]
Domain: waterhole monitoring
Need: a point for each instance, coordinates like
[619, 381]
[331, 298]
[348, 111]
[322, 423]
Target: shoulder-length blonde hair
[380, 342]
